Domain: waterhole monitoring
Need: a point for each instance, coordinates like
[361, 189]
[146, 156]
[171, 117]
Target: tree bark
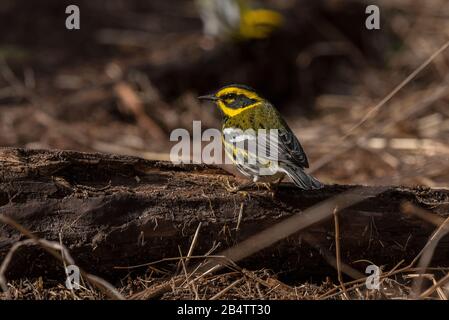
[114, 211]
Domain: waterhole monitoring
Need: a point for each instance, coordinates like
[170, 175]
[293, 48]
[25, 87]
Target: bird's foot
[237, 188]
[264, 185]
[271, 187]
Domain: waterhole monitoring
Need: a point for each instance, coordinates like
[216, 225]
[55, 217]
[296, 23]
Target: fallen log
[117, 211]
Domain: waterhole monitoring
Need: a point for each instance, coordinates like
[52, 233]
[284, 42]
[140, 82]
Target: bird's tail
[300, 178]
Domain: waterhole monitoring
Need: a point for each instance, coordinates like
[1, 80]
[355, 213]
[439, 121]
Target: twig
[338, 253]
[239, 219]
[428, 252]
[5, 264]
[53, 248]
[330, 258]
[408, 268]
[157, 290]
[191, 286]
[373, 111]
[432, 289]
[377, 107]
[166, 260]
[410, 208]
[193, 244]
[222, 292]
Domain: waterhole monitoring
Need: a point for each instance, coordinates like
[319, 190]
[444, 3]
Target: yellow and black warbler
[240, 19]
[247, 117]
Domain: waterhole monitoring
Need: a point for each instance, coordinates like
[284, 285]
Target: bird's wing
[284, 147]
[288, 148]
[288, 142]
[266, 146]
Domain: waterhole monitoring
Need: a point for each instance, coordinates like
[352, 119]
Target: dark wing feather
[288, 147]
[291, 145]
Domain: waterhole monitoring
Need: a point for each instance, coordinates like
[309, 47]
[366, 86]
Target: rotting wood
[114, 211]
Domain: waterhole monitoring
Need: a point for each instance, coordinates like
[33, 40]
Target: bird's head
[233, 99]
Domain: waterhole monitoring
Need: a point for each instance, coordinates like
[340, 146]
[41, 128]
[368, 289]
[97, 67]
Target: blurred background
[132, 73]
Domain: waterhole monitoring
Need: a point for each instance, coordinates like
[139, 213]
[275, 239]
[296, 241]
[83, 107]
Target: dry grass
[260, 284]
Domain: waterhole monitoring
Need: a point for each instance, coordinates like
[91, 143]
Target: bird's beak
[209, 97]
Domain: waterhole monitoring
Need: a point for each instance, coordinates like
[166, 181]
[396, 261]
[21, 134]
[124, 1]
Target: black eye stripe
[240, 101]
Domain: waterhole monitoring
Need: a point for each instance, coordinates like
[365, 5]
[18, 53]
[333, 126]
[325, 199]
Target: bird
[247, 118]
[237, 19]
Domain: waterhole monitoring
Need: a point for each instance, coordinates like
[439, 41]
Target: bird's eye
[229, 98]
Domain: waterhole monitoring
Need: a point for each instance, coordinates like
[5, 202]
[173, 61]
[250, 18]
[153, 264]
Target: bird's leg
[276, 184]
[237, 188]
[273, 187]
[266, 185]
[242, 187]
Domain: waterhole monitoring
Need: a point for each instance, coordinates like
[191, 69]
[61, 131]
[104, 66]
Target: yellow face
[235, 99]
